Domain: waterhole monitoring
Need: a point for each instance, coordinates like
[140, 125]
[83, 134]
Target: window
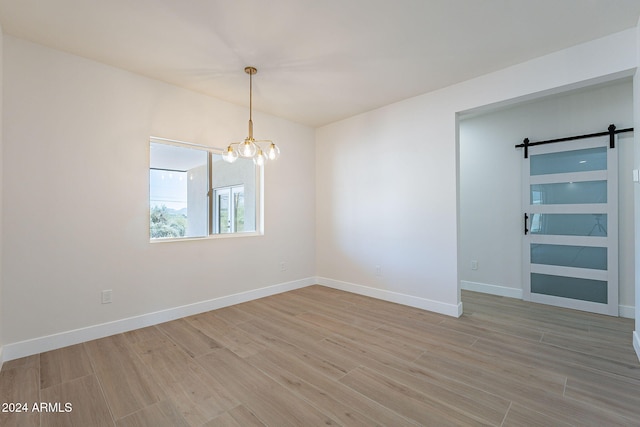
[193, 193]
[229, 209]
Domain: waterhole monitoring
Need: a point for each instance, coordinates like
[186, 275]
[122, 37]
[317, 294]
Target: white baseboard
[454, 310]
[64, 339]
[636, 343]
[485, 288]
[627, 311]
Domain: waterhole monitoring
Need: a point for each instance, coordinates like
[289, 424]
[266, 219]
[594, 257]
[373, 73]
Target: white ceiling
[318, 60]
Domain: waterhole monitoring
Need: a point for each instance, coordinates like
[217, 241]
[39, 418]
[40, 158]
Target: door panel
[570, 197]
[569, 224]
[570, 287]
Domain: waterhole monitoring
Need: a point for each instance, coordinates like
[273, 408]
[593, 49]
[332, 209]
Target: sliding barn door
[570, 245]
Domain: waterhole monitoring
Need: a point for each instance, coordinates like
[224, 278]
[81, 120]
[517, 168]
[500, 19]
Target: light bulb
[229, 155]
[273, 152]
[260, 158]
[247, 148]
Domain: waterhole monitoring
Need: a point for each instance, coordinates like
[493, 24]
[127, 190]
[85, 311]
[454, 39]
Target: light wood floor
[318, 356]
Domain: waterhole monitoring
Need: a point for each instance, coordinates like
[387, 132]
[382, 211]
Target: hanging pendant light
[251, 148]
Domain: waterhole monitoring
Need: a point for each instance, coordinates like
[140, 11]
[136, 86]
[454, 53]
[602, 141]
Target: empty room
[301, 213]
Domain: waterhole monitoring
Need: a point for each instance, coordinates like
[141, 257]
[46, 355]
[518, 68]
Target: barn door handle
[526, 218]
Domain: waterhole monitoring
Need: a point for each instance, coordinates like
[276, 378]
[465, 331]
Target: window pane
[240, 179]
[569, 224]
[569, 256]
[569, 287]
[238, 209]
[591, 159]
[224, 221]
[569, 193]
[178, 183]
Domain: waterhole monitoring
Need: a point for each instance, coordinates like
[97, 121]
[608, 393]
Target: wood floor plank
[226, 334]
[241, 343]
[321, 399]
[537, 318]
[396, 314]
[404, 400]
[623, 398]
[552, 357]
[194, 341]
[266, 336]
[333, 390]
[159, 414]
[23, 362]
[325, 295]
[363, 352]
[144, 334]
[239, 416]
[567, 410]
[615, 335]
[233, 315]
[237, 374]
[519, 416]
[334, 364]
[282, 408]
[315, 354]
[127, 383]
[473, 402]
[210, 324]
[20, 384]
[488, 328]
[592, 346]
[286, 330]
[268, 400]
[62, 365]
[426, 338]
[88, 405]
[259, 310]
[196, 395]
[574, 412]
[344, 315]
[491, 371]
[330, 407]
[284, 304]
[401, 348]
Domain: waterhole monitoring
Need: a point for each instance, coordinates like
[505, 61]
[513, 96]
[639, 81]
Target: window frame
[211, 233]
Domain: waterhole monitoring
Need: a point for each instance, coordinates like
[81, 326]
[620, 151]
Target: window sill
[209, 237]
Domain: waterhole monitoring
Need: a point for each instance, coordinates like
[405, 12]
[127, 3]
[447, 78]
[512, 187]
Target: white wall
[384, 198]
[491, 187]
[387, 180]
[76, 212]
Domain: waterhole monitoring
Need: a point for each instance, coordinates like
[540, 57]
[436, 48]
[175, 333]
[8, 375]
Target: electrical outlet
[106, 296]
[283, 266]
[378, 271]
[474, 265]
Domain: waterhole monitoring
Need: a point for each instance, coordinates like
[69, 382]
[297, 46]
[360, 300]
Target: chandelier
[258, 150]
